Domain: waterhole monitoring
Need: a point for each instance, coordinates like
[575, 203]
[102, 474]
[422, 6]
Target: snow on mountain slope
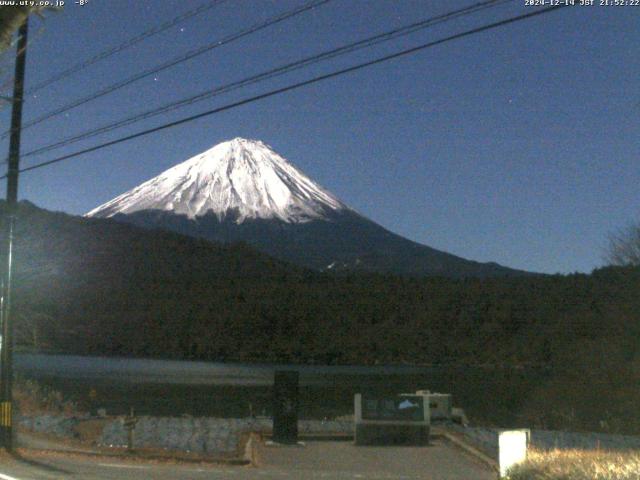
[242, 177]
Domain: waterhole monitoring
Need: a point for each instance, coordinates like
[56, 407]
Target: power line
[296, 86]
[6, 100]
[123, 46]
[175, 61]
[287, 68]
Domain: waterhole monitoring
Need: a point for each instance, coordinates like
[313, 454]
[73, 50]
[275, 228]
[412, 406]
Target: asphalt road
[343, 460]
[314, 460]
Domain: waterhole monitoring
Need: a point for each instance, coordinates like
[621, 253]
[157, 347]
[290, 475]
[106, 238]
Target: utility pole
[6, 247]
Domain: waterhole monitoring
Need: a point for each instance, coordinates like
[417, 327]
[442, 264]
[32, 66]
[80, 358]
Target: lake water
[169, 387]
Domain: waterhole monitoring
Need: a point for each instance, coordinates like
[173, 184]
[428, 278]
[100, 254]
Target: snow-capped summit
[243, 191]
[242, 177]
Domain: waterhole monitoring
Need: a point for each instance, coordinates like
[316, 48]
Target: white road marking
[120, 465]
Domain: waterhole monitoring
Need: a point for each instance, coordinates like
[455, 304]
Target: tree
[11, 17]
[624, 246]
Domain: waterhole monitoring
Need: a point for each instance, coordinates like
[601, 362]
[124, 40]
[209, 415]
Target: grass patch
[578, 465]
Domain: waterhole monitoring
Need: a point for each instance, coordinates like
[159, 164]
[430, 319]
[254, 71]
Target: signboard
[407, 409]
[439, 403]
[285, 407]
[401, 419]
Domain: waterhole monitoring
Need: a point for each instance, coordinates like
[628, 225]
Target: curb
[67, 446]
[137, 456]
[320, 437]
[471, 450]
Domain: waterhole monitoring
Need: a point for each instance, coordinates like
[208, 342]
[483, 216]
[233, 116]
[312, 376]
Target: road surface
[343, 460]
[315, 460]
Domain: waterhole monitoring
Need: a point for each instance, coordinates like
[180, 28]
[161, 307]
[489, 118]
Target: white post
[512, 449]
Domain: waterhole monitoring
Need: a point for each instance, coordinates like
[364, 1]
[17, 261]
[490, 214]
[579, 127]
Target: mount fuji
[242, 190]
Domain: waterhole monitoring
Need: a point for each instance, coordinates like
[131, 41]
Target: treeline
[96, 287]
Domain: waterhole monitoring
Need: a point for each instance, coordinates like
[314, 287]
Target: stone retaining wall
[203, 435]
[56, 425]
[188, 434]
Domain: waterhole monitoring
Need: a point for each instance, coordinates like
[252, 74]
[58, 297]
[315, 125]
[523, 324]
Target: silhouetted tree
[624, 247]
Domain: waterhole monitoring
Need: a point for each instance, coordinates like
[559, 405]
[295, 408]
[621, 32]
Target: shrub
[578, 465]
[32, 398]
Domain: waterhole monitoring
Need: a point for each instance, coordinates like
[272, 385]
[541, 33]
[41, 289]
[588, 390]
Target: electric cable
[123, 46]
[295, 86]
[173, 62]
[269, 74]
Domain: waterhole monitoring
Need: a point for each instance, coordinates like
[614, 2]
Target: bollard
[512, 449]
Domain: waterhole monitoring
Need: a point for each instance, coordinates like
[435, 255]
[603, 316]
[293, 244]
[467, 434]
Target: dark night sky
[519, 145]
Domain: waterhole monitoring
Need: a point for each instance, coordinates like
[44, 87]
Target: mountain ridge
[243, 191]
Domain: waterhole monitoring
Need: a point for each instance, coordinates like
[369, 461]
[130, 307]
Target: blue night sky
[519, 145]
